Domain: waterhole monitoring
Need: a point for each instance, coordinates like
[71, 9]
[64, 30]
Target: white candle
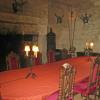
[27, 49]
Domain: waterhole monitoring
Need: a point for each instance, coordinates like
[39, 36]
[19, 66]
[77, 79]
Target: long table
[14, 86]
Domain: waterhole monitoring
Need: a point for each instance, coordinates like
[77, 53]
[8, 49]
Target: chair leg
[97, 95]
[87, 97]
[84, 97]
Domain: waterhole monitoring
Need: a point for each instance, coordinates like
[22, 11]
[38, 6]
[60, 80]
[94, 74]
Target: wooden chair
[38, 59]
[0, 93]
[88, 86]
[97, 93]
[64, 53]
[12, 61]
[51, 56]
[65, 92]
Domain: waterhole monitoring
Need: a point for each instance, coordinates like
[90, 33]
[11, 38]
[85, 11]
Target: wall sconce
[17, 5]
[85, 18]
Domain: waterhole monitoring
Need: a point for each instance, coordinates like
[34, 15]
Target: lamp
[27, 49]
[89, 48]
[91, 45]
[87, 45]
[35, 49]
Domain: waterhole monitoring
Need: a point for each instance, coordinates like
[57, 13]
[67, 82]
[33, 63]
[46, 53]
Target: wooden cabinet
[51, 40]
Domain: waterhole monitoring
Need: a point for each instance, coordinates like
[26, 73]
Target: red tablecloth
[14, 86]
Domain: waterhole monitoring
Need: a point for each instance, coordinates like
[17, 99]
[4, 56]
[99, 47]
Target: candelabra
[29, 55]
[89, 48]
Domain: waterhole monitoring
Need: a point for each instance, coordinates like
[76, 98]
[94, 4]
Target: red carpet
[14, 86]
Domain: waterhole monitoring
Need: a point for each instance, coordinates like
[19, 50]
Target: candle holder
[89, 48]
[30, 55]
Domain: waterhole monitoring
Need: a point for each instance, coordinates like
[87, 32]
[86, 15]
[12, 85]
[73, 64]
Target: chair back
[0, 93]
[51, 56]
[38, 59]
[67, 79]
[64, 53]
[12, 61]
[94, 71]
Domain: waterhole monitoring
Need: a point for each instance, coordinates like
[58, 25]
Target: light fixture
[35, 49]
[27, 49]
[89, 45]
[89, 48]
[85, 18]
[17, 5]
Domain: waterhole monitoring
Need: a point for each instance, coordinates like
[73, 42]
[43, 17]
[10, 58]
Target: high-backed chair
[88, 86]
[0, 93]
[64, 53]
[38, 59]
[0, 96]
[12, 61]
[51, 56]
[97, 93]
[65, 92]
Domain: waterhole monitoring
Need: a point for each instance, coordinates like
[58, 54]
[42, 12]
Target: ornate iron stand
[30, 62]
[33, 75]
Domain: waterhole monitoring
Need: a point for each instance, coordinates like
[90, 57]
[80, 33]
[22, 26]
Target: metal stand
[33, 75]
[30, 63]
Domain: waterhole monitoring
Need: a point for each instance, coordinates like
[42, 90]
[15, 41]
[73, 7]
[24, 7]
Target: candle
[87, 45]
[91, 45]
[35, 49]
[27, 49]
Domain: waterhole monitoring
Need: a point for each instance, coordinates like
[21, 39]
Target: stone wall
[31, 19]
[83, 32]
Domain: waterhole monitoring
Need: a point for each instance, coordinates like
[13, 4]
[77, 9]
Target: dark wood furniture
[51, 40]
